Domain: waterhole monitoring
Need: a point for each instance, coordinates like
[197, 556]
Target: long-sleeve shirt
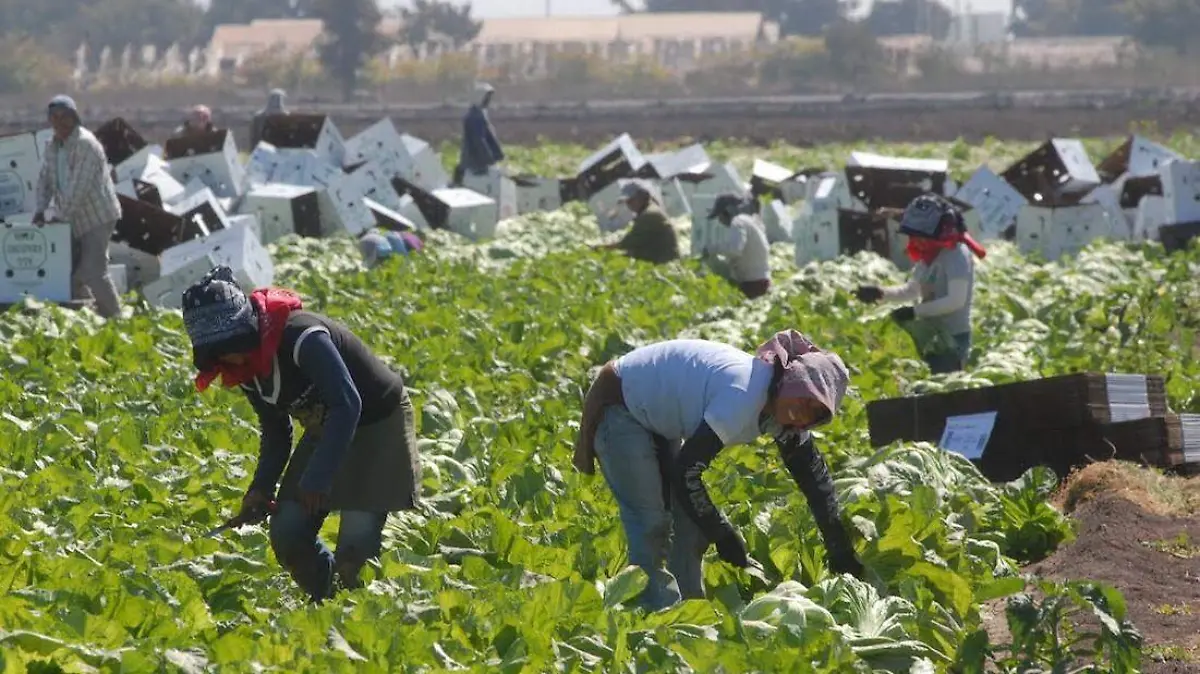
[944, 290]
[745, 246]
[803, 463]
[326, 378]
[651, 238]
[76, 176]
[480, 147]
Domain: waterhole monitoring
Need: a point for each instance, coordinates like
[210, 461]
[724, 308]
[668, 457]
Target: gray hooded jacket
[275, 106]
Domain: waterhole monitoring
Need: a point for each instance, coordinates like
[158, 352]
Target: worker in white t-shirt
[656, 418]
[744, 244]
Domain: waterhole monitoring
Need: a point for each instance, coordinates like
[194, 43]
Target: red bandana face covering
[921, 249]
[273, 306]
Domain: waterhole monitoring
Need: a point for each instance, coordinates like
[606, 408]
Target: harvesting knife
[252, 517]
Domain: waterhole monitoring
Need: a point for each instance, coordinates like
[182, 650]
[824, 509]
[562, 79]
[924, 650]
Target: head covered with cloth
[63, 114]
[932, 225]
[808, 384]
[357, 455]
[728, 206]
[234, 335]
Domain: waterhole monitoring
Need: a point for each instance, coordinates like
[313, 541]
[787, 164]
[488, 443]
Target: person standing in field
[656, 418]
[75, 176]
[744, 245]
[651, 238]
[942, 279]
[275, 106]
[480, 148]
[358, 455]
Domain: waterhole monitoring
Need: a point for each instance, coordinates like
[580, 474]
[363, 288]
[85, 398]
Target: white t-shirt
[745, 245]
[671, 387]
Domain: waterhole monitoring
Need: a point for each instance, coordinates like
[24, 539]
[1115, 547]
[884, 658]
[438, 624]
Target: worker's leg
[629, 461]
[91, 270]
[296, 540]
[360, 538]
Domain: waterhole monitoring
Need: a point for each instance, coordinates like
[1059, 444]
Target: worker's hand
[732, 550]
[254, 503]
[39, 218]
[584, 458]
[869, 294]
[847, 564]
[904, 314]
[314, 502]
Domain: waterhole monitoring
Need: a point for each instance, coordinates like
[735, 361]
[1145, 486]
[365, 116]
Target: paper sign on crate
[968, 434]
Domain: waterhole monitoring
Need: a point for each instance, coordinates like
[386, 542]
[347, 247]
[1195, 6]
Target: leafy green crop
[115, 467]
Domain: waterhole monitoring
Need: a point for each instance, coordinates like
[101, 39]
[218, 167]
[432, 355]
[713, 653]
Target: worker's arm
[46, 184]
[686, 480]
[319, 359]
[732, 244]
[275, 447]
[908, 292]
[958, 291]
[637, 235]
[489, 137]
[605, 391]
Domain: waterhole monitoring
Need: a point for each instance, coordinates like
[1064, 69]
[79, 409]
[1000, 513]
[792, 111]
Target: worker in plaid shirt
[76, 176]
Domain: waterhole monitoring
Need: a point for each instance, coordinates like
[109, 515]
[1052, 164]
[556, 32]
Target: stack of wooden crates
[1062, 422]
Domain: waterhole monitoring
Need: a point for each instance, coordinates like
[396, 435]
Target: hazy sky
[518, 8]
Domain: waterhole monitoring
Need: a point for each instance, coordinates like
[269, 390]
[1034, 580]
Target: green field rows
[115, 467]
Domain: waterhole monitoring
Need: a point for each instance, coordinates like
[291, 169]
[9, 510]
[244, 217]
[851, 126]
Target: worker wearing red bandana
[358, 455]
[942, 281]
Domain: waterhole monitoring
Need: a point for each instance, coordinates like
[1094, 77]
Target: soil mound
[1136, 539]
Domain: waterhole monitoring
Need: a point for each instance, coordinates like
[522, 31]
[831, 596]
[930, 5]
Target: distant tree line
[1154, 23]
[29, 30]
[350, 40]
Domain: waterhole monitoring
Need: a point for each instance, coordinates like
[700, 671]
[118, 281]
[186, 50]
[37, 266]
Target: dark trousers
[951, 361]
[754, 289]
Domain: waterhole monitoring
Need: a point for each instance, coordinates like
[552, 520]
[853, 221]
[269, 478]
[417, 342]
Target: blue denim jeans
[951, 361]
[295, 538]
[655, 532]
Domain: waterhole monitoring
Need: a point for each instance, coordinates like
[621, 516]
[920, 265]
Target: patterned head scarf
[808, 372]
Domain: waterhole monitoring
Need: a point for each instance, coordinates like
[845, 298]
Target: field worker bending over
[943, 279]
[275, 106]
[358, 455]
[707, 395]
[744, 245]
[480, 148]
[651, 238]
[76, 176]
[379, 245]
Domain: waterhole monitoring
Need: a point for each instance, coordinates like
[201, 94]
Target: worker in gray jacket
[275, 106]
[942, 281]
[480, 148]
